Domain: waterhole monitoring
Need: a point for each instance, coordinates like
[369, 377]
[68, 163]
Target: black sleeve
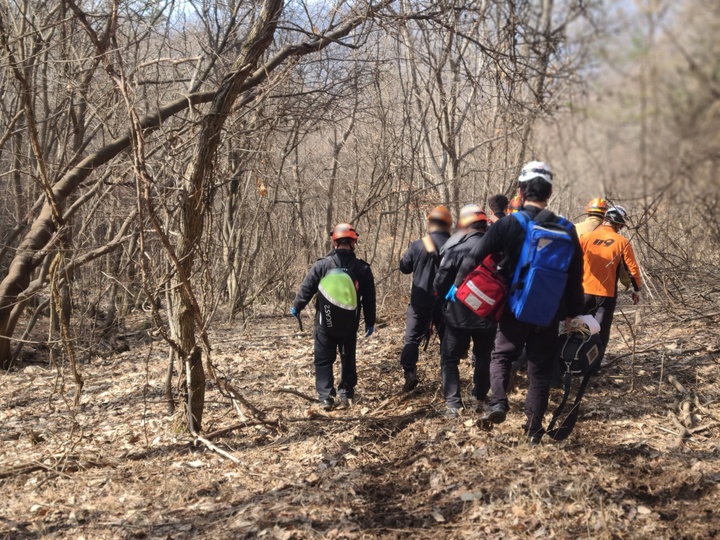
[574, 296]
[309, 286]
[445, 274]
[406, 263]
[367, 295]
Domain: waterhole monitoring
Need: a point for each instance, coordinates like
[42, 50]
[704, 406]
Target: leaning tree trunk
[198, 183]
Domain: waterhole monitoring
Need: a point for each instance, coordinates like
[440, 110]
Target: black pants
[603, 309]
[540, 343]
[454, 345]
[417, 321]
[326, 348]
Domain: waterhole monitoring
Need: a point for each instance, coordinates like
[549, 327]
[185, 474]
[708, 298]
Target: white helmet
[616, 214]
[536, 169]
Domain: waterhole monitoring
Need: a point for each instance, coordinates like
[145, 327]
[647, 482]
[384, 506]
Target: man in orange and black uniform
[605, 253]
[422, 259]
[595, 210]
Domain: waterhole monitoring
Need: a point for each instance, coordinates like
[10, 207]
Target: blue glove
[369, 331]
[452, 294]
[294, 312]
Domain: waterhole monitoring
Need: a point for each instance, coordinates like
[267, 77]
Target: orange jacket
[589, 225]
[605, 252]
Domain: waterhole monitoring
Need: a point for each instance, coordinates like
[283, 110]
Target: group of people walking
[440, 262]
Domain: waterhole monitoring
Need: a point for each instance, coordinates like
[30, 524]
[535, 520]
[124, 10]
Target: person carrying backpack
[606, 254]
[595, 210]
[422, 259]
[342, 283]
[538, 295]
[461, 324]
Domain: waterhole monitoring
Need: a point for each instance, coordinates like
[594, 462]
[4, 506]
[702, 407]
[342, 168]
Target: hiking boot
[495, 414]
[534, 436]
[452, 413]
[344, 402]
[327, 404]
[411, 381]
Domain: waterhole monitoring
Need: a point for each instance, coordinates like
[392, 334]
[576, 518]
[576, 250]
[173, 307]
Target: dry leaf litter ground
[642, 463]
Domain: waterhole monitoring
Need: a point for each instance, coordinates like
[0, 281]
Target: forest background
[170, 167]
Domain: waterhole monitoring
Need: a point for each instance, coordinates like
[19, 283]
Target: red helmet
[469, 214]
[515, 205]
[441, 214]
[597, 206]
[344, 230]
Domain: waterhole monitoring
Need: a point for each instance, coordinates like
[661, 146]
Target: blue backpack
[539, 281]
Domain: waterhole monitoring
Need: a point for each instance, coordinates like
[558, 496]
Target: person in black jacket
[507, 237]
[461, 324]
[422, 259]
[344, 239]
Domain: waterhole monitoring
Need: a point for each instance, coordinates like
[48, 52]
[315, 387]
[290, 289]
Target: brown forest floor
[390, 467]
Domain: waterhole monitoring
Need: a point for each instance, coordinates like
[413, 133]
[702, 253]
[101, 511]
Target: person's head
[472, 218]
[535, 182]
[597, 207]
[344, 236]
[498, 206]
[616, 216]
[439, 219]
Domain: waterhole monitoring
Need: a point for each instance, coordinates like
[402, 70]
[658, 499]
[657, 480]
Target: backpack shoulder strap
[565, 223]
[523, 218]
[429, 244]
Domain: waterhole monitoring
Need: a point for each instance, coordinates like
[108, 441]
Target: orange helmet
[516, 204]
[469, 214]
[597, 206]
[344, 230]
[441, 214]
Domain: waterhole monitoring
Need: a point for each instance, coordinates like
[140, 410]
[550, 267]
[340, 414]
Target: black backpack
[579, 355]
[337, 299]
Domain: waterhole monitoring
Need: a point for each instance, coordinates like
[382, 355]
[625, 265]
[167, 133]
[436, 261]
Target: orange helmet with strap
[442, 214]
[469, 214]
[597, 206]
[344, 230]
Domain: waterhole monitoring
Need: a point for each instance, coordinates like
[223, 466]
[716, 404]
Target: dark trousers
[326, 349]
[539, 343]
[603, 309]
[454, 345]
[417, 321]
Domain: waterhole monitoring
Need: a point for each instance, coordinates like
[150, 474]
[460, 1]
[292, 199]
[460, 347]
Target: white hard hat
[536, 169]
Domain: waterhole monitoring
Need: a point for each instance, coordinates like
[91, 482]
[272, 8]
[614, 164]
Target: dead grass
[390, 467]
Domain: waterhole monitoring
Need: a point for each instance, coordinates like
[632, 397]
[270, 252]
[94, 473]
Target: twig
[368, 418]
[678, 386]
[633, 352]
[230, 429]
[214, 448]
[296, 393]
[703, 428]
[698, 317]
